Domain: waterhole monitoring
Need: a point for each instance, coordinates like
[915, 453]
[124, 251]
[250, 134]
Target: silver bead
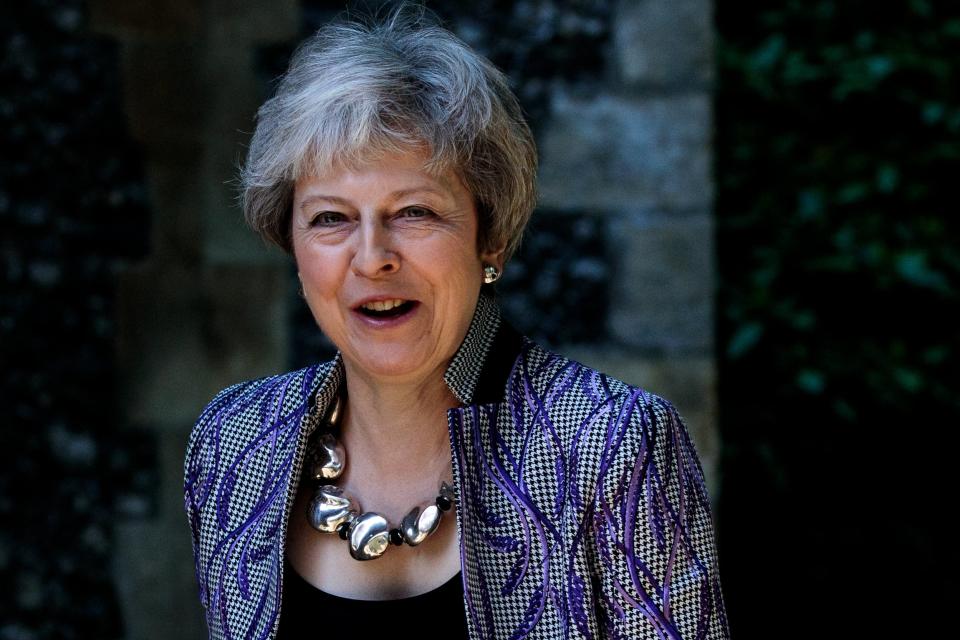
[330, 507]
[333, 418]
[447, 492]
[329, 458]
[369, 536]
[420, 523]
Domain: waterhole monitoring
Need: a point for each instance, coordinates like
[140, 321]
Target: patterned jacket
[582, 511]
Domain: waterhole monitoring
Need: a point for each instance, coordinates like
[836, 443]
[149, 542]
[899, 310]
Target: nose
[375, 255]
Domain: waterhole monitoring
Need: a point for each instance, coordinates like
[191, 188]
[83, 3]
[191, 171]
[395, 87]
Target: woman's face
[388, 259]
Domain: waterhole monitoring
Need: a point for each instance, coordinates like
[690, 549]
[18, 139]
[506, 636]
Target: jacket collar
[479, 370]
[497, 364]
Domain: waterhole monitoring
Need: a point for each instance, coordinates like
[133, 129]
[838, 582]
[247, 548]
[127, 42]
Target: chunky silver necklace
[333, 510]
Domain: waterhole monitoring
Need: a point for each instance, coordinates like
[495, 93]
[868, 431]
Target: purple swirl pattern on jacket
[238, 472]
[583, 501]
[582, 510]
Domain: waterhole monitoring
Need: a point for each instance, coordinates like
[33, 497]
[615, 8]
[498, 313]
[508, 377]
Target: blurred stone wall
[207, 307]
[617, 270]
[635, 152]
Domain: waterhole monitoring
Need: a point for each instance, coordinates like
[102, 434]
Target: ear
[494, 257]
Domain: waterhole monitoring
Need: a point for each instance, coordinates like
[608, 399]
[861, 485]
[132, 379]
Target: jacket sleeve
[656, 561]
[200, 474]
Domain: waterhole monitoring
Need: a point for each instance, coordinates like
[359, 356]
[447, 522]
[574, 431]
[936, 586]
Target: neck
[397, 430]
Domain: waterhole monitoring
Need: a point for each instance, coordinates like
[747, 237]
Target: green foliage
[838, 146]
[839, 245]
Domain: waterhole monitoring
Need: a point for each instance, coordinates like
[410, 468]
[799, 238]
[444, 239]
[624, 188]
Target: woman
[441, 465]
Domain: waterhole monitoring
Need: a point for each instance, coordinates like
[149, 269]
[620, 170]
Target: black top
[308, 612]
[440, 610]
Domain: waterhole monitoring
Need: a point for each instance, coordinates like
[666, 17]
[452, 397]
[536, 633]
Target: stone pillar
[207, 307]
[638, 153]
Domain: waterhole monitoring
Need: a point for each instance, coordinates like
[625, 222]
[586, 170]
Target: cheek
[320, 272]
[321, 286]
[454, 266]
[461, 279]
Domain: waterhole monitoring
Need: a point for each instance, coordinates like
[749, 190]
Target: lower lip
[386, 323]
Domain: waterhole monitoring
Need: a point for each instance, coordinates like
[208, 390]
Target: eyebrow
[309, 200]
[396, 195]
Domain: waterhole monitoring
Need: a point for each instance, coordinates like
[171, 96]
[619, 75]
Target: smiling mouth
[386, 308]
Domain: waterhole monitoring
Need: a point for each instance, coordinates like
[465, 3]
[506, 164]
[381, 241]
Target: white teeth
[383, 305]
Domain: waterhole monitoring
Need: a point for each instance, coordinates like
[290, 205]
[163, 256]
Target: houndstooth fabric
[582, 511]
[464, 370]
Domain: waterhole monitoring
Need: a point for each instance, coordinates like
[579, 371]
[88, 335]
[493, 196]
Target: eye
[327, 218]
[415, 212]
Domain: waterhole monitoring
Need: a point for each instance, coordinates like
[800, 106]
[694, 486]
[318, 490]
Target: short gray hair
[358, 89]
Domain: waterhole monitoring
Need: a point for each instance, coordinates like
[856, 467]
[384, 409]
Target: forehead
[399, 171]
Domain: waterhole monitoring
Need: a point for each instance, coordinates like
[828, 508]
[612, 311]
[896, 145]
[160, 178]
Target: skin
[388, 230]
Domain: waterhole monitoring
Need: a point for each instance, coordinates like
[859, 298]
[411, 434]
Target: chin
[391, 362]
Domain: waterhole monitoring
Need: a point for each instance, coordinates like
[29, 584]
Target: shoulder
[238, 413]
[591, 409]
[583, 390]
[622, 457]
[236, 399]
